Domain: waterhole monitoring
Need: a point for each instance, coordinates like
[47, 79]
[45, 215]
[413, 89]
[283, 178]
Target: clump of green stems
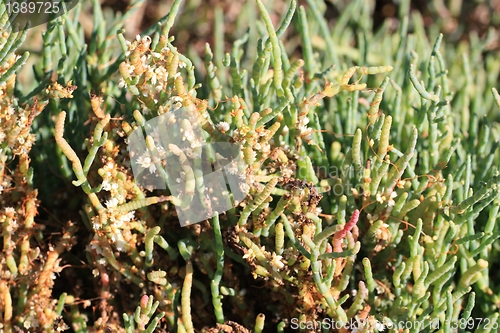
[372, 178]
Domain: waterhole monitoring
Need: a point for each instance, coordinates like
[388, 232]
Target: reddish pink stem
[144, 301]
[339, 235]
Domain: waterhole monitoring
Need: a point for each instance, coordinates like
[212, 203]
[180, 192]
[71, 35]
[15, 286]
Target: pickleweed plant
[302, 174]
[28, 265]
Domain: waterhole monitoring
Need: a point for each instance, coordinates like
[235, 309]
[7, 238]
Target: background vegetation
[370, 136]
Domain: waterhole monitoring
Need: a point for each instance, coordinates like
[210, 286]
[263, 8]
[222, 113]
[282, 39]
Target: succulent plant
[363, 181]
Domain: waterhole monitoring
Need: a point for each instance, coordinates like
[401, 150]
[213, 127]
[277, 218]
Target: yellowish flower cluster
[153, 75]
[15, 129]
